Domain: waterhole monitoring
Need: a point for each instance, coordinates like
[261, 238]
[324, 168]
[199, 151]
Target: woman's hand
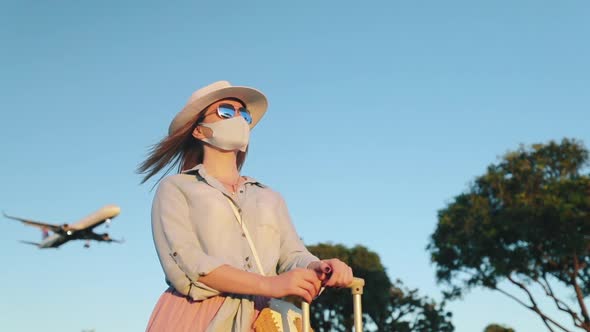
[300, 282]
[332, 272]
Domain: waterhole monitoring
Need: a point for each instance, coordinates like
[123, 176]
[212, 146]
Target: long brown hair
[180, 149]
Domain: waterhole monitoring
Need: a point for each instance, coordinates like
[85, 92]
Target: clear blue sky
[380, 113]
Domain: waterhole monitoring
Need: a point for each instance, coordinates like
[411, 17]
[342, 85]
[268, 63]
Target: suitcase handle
[356, 288]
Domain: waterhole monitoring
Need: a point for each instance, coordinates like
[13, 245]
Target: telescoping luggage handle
[356, 288]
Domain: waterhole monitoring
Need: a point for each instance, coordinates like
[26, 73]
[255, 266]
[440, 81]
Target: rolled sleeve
[293, 253]
[178, 247]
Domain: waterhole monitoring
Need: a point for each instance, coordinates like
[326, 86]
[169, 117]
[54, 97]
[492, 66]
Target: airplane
[82, 230]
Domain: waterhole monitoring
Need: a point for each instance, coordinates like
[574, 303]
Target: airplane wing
[53, 228]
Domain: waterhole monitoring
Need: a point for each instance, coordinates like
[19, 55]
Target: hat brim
[254, 100]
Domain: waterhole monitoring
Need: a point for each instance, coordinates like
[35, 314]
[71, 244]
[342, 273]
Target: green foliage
[526, 220]
[387, 306]
[497, 328]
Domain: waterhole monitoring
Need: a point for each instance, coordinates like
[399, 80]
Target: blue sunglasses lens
[246, 115]
[227, 111]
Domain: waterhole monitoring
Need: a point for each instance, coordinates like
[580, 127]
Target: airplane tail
[29, 242]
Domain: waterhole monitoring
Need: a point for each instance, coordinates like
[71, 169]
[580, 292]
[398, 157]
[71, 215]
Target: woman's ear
[201, 132]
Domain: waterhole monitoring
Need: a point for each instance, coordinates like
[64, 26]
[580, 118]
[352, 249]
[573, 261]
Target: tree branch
[523, 304]
[401, 314]
[579, 294]
[559, 303]
[534, 307]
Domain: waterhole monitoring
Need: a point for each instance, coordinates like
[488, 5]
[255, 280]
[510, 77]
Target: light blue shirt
[195, 231]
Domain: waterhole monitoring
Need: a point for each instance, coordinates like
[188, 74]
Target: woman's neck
[221, 165]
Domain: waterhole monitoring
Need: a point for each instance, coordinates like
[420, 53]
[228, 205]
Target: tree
[497, 328]
[386, 306]
[407, 311]
[525, 221]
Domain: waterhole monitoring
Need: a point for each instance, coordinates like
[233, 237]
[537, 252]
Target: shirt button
[241, 191]
[247, 258]
[249, 265]
[175, 254]
[243, 234]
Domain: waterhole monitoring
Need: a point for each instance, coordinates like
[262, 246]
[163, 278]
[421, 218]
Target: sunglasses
[228, 111]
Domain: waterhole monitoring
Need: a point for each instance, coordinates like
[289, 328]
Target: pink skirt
[175, 313]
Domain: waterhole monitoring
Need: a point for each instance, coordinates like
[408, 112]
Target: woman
[214, 230]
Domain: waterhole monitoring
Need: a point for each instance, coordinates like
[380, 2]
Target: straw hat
[254, 100]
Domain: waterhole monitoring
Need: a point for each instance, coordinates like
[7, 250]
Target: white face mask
[231, 134]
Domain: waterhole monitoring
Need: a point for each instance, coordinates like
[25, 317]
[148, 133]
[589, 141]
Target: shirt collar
[200, 169]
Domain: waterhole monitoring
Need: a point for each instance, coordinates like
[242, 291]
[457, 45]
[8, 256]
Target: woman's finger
[325, 267]
[314, 285]
[307, 284]
[322, 270]
[302, 293]
[309, 290]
